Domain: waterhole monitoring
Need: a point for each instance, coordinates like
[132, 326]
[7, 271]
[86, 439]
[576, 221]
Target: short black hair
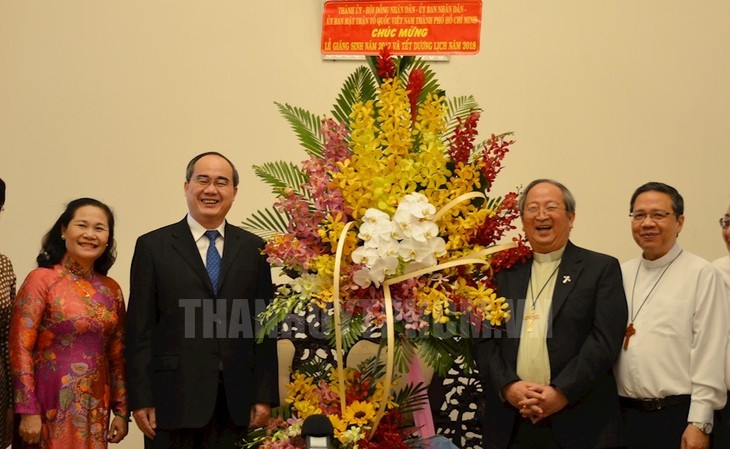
[677, 200]
[191, 166]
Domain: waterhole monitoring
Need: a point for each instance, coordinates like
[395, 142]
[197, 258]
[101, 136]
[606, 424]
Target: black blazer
[177, 340]
[588, 319]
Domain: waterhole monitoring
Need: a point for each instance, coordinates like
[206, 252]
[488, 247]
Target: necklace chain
[78, 278]
[534, 298]
[636, 278]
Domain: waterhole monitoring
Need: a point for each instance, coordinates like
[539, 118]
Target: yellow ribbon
[478, 257]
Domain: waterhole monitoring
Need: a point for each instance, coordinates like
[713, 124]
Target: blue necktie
[213, 260]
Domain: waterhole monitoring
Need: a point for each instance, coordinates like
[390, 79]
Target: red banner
[426, 27]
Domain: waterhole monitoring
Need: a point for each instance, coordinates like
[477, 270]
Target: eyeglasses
[655, 215]
[205, 181]
[549, 210]
[725, 222]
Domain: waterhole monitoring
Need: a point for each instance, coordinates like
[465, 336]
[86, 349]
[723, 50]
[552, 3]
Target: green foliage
[275, 314]
[404, 350]
[411, 398]
[315, 368]
[281, 175]
[266, 222]
[360, 86]
[459, 108]
[352, 330]
[439, 353]
[306, 126]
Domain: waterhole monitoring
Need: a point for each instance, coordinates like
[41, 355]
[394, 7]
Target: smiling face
[86, 235]
[545, 221]
[210, 191]
[656, 237]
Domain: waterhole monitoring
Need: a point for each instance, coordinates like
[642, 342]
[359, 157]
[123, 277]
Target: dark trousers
[527, 435]
[720, 437]
[219, 433]
[656, 429]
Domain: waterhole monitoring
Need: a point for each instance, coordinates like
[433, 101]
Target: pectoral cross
[530, 317]
[629, 332]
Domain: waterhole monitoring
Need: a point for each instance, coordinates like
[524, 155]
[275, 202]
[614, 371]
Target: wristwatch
[705, 427]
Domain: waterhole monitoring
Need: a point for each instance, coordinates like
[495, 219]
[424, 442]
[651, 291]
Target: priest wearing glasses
[671, 370]
[547, 378]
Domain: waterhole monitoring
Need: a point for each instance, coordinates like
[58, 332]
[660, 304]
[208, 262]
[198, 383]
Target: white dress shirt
[202, 241]
[681, 332]
[723, 266]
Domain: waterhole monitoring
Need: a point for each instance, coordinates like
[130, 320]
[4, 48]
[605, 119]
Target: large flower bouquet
[315, 389]
[397, 182]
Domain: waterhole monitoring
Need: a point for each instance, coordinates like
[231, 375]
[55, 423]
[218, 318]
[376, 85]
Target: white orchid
[410, 237]
[414, 216]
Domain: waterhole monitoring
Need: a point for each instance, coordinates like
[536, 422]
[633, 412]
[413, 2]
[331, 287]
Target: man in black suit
[196, 377]
[547, 377]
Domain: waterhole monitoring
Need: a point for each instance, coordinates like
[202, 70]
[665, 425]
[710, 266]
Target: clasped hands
[534, 401]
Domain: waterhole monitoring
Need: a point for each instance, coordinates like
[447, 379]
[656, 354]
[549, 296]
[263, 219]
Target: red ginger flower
[386, 66]
[416, 80]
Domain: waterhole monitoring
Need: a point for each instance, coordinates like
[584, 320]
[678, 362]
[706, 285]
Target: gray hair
[568, 198]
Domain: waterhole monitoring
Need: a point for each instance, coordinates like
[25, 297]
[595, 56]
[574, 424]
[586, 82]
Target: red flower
[416, 80]
[386, 66]
[494, 151]
[462, 143]
[505, 259]
[389, 434]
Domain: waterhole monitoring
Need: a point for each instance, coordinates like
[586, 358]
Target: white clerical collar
[198, 229]
[664, 260]
[549, 257]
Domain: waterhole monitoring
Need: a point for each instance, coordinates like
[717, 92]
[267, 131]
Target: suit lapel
[570, 268]
[231, 247]
[518, 293]
[182, 241]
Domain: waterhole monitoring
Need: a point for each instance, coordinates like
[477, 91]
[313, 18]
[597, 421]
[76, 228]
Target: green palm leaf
[315, 368]
[352, 330]
[266, 222]
[360, 86]
[306, 126]
[438, 353]
[459, 107]
[411, 398]
[281, 175]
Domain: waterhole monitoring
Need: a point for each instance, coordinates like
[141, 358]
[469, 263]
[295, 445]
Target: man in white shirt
[721, 437]
[670, 373]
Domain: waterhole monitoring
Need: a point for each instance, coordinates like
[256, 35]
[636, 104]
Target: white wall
[110, 99]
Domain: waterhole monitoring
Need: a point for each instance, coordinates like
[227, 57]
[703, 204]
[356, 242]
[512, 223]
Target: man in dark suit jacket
[196, 377]
[548, 383]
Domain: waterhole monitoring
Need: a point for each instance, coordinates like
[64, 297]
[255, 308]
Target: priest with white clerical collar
[547, 377]
[671, 370]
